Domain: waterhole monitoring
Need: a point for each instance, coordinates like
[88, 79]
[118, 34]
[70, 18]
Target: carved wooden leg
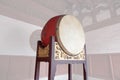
[69, 72]
[52, 70]
[37, 68]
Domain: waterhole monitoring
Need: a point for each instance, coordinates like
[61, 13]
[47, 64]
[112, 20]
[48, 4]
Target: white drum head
[70, 35]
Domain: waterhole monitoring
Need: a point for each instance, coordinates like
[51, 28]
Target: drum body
[68, 33]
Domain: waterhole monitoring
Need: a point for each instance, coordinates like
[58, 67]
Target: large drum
[68, 33]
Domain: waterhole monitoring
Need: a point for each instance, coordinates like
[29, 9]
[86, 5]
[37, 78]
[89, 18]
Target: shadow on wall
[35, 36]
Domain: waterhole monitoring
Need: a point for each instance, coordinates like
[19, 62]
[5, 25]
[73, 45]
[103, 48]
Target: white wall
[15, 37]
[104, 40]
[17, 56]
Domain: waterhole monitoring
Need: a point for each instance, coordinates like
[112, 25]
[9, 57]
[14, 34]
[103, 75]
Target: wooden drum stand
[54, 55]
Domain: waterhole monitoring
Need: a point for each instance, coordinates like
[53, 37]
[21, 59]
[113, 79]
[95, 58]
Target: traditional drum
[68, 33]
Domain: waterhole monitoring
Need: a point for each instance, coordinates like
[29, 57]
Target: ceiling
[93, 14]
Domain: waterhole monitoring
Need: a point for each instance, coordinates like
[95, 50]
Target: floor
[75, 77]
